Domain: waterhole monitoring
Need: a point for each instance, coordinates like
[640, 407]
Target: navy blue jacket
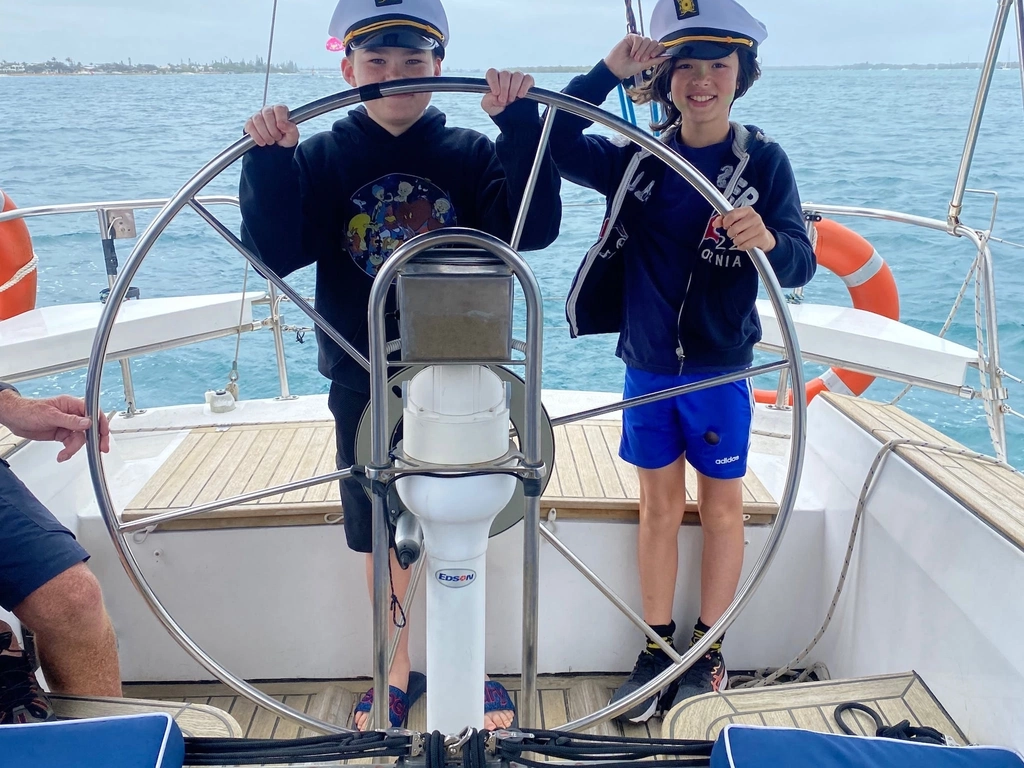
[707, 318]
[346, 198]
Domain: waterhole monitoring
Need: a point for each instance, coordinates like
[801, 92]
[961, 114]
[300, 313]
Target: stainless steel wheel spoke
[531, 182]
[664, 394]
[201, 509]
[609, 593]
[280, 284]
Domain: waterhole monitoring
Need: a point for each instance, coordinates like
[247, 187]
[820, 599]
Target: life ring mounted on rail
[17, 265]
[872, 288]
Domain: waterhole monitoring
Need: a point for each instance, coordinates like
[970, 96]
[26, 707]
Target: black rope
[902, 731]
[474, 753]
[858, 707]
[397, 611]
[610, 751]
[347, 746]
[434, 749]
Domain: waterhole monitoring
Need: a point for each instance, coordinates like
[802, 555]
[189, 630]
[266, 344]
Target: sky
[501, 33]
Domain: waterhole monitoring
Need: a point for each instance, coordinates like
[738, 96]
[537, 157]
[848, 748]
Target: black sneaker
[648, 666]
[21, 698]
[707, 675]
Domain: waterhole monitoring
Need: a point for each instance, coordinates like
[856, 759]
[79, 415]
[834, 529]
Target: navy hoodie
[662, 276]
[347, 198]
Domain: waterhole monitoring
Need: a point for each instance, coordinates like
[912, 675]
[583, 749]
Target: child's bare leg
[662, 503]
[398, 676]
[721, 518]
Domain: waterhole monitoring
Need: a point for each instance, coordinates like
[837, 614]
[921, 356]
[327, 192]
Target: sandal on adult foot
[496, 699]
[21, 698]
[399, 701]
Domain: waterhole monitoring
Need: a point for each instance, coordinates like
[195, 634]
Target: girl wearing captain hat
[670, 276]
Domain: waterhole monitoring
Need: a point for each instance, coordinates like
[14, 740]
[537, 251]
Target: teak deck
[589, 480]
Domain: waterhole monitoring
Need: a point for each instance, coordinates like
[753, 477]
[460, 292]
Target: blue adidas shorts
[712, 426]
[34, 546]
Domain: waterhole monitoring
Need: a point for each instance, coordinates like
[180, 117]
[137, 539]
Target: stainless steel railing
[100, 209]
[993, 392]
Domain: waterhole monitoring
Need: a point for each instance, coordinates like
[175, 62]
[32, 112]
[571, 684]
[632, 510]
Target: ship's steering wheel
[119, 530]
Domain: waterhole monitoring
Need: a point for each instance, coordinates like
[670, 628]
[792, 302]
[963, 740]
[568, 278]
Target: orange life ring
[872, 288]
[17, 265]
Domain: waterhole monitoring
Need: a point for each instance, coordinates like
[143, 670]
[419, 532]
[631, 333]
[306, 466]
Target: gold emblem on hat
[686, 8]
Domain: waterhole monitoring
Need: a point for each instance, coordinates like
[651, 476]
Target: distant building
[11, 69]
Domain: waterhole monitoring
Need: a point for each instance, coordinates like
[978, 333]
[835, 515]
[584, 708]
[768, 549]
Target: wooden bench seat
[992, 492]
[589, 480]
[811, 707]
[193, 718]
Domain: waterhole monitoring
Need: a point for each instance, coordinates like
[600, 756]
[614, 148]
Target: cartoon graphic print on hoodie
[345, 199]
[660, 275]
[391, 210]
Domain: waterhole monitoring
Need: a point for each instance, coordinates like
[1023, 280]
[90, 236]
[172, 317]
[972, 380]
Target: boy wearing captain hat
[671, 277]
[345, 199]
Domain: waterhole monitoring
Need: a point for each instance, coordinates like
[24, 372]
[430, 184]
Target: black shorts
[348, 406]
[34, 546]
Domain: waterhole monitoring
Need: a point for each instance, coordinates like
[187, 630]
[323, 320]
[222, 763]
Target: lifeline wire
[233, 376]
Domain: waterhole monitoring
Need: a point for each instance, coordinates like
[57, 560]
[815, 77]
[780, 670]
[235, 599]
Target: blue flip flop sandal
[399, 701]
[496, 699]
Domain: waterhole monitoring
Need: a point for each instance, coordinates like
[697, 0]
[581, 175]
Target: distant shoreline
[70, 68]
[150, 71]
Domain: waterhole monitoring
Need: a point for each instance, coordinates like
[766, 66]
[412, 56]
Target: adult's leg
[46, 584]
[74, 637]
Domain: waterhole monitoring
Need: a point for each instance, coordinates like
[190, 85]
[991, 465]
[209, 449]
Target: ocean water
[887, 139]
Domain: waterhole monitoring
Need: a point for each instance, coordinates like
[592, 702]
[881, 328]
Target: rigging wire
[232, 386]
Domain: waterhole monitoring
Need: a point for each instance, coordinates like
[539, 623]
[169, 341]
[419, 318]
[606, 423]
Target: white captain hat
[417, 24]
[705, 29]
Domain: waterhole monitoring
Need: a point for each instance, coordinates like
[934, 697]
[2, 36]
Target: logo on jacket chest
[716, 247]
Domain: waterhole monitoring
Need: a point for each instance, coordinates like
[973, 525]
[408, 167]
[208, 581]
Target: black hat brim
[397, 37]
[703, 50]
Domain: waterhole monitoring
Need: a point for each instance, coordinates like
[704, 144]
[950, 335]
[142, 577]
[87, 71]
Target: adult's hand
[61, 419]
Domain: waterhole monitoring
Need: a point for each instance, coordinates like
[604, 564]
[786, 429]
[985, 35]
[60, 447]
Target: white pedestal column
[456, 415]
